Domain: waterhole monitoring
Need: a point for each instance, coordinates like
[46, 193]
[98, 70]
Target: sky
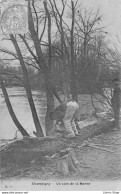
[111, 16]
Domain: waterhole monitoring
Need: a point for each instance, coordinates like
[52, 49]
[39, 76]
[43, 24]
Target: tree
[66, 33]
[73, 71]
[35, 53]
[10, 109]
[28, 88]
[87, 27]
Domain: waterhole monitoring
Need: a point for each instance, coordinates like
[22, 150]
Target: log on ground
[23, 151]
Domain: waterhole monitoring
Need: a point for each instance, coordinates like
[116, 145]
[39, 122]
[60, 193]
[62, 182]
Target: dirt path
[95, 164]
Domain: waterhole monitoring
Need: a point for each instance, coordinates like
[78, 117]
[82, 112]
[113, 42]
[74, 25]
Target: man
[116, 102]
[66, 114]
[71, 113]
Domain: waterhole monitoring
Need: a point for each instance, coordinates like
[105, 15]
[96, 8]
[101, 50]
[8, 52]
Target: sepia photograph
[60, 95]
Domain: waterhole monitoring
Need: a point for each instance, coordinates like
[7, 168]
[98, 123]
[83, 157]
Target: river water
[21, 108]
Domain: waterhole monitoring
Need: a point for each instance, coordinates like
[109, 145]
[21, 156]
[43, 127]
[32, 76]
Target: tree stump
[67, 162]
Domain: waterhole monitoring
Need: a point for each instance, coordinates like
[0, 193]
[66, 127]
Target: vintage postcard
[60, 95]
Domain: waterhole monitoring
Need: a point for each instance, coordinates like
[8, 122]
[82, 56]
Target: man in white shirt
[72, 110]
[66, 113]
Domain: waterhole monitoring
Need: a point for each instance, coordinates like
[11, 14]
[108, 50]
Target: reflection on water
[22, 110]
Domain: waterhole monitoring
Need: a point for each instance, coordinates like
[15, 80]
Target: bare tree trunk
[10, 109]
[56, 94]
[50, 105]
[64, 47]
[39, 132]
[66, 71]
[48, 84]
[46, 69]
[73, 77]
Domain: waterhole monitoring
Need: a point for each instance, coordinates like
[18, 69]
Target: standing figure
[116, 102]
[71, 113]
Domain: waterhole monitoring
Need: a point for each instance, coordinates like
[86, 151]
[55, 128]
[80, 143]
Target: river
[21, 108]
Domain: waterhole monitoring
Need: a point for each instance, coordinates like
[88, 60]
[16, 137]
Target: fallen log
[22, 152]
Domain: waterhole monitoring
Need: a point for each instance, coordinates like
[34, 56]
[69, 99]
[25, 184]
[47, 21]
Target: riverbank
[94, 164]
[36, 158]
